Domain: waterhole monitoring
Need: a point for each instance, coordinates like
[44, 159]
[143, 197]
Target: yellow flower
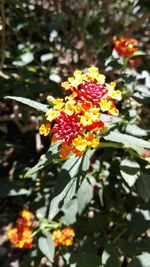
[80, 143]
[93, 73]
[94, 111]
[58, 103]
[86, 119]
[70, 107]
[100, 78]
[113, 84]
[105, 105]
[92, 140]
[52, 114]
[66, 85]
[117, 95]
[89, 117]
[44, 129]
[93, 70]
[114, 111]
[110, 86]
[75, 81]
[77, 73]
[95, 143]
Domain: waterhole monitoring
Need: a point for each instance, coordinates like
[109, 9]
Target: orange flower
[63, 237]
[126, 47]
[20, 237]
[64, 151]
[26, 218]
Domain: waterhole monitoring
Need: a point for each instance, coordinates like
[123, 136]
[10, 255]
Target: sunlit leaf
[69, 181]
[28, 102]
[126, 139]
[142, 260]
[85, 195]
[109, 257]
[45, 160]
[46, 245]
[129, 171]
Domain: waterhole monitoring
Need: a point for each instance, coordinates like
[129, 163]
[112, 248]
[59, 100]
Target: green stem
[50, 226]
[119, 235]
[110, 144]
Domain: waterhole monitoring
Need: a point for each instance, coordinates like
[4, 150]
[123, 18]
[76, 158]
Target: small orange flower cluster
[63, 237]
[76, 120]
[127, 47]
[21, 235]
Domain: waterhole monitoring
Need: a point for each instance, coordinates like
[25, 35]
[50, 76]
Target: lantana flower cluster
[21, 235]
[128, 47]
[63, 237]
[76, 120]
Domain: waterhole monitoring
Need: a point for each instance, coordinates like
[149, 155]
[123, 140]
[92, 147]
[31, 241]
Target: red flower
[126, 47]
[91, 92]
[67, 127]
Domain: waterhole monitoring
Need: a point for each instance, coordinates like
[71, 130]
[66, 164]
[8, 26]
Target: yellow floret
[114, 111]
[52, 114]
[80, 143]
[105, 105]
[58, 103]
[44, 130]
[70, 107]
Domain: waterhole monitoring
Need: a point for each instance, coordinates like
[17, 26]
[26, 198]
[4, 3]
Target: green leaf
[127, 247]
[129, 171]
[136, 130]
[46, 245]
[8, 188]
[110, 119]
[29, 102]
[85, 195]
[137, 223]
[139, 151]
[86, 159]
[109, 257]
[138, 53]
[67, 185]
[41, 212]
[83, 259]
[126, 139]
[68, 182]
[99, 223]
[70, 211]
[45, 160]
[143, 186]
[142, 260]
